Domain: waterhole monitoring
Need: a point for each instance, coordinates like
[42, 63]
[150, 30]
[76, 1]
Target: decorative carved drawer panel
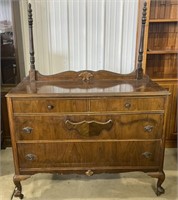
[110, 126]
[89, 154]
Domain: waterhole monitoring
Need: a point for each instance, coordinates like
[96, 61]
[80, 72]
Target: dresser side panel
[13, 134]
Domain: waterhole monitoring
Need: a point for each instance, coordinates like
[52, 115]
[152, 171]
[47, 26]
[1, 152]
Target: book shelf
[161, 55]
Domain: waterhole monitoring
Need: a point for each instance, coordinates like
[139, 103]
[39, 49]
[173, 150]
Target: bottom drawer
[89, 154]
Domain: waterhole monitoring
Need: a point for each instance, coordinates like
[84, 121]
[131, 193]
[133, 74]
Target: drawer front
[47, 105]
[142, 126]
[89, 154]
[52, 105]
[126, 104]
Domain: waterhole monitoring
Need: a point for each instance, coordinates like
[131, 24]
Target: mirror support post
[139, 71]
[31, 45]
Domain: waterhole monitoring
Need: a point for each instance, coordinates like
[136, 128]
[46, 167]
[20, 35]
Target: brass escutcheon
[31, 157]
[27, 129]
[147, 155]
[148, 128]
[89, 172]
[50, 107]
[127, 105]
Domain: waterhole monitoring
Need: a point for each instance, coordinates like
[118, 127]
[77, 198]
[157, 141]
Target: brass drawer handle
[127, 105]
[147, 155]
[27, 130]
[148, 128]
[31, 157]
[50, 107]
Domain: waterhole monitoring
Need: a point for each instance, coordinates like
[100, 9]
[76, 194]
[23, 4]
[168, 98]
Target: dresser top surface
[82, 87]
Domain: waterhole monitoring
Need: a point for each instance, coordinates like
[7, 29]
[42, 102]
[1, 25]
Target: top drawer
[127, 104]
[102, 104]
[49, 105]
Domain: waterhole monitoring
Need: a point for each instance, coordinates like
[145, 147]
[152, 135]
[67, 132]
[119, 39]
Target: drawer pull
[127, 105]
[148, 128]
[31, 157]
[50, 107]
[89, 128]
[89, 172]
[27, 130]
[147, 155]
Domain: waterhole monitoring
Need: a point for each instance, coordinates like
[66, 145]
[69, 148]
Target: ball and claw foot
[17, 193]
[160, 190]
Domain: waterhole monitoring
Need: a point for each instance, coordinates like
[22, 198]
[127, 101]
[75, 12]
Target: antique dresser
[87, 122]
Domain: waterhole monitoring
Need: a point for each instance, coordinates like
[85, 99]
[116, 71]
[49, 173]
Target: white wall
[82, 34]
[5, 10]
[5, 16]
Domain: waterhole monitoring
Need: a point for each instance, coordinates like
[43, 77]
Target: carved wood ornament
[85, 76]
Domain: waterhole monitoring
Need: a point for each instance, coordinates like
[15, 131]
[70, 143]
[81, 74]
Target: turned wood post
[31, 45]
[139, 71]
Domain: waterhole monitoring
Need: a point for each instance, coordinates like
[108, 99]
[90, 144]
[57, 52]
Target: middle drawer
[111, 126]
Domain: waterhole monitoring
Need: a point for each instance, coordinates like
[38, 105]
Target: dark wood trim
[171, 144]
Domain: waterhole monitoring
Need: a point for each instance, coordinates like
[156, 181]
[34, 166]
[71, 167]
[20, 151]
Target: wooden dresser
[87, 122]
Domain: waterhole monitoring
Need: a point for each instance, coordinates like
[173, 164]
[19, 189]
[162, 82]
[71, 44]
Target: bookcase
[161, 55]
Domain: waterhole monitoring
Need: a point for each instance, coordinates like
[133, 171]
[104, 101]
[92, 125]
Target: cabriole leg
[161, 177]
[160, 189]
[18, 186]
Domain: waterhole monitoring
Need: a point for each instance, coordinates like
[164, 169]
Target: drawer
[52, 105]
[127, 104]
[49, 105]
[89, 154]
[110, 126]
